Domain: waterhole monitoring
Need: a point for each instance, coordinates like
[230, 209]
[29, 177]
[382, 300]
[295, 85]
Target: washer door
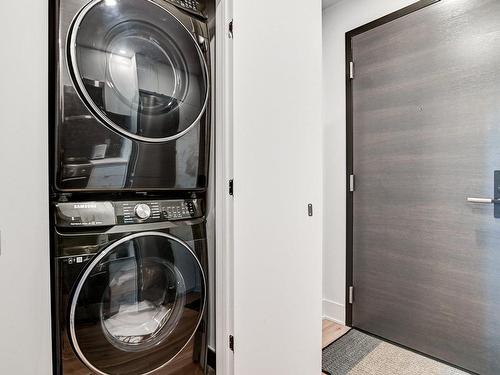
[138, 69]
[137, 304]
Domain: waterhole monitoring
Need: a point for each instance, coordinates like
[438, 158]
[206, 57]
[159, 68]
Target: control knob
[142, 211]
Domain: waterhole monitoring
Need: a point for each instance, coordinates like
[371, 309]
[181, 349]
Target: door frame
[349, 136]
[224, 282]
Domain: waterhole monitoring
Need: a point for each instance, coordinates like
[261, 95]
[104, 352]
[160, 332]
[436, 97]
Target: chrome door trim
[74, 73]
[90, 267]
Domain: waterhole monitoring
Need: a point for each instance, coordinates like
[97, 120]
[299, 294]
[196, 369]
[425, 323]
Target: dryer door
[138, 68]
[137, 304]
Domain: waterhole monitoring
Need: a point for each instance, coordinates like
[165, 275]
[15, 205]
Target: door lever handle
[482, 200]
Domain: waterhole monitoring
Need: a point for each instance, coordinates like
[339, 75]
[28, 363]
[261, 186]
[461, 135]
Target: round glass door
[137, 304]
[138, 69]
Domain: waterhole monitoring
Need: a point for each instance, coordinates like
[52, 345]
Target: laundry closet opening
[132, 186]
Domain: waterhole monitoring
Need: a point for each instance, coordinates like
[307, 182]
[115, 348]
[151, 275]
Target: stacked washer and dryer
[130, 132]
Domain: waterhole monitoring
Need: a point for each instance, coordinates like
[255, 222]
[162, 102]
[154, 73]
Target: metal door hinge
[351, 70]
[231, 187]
[351, 295]
[230, 30]
[351, 183]
[231, 343]
[310, 209]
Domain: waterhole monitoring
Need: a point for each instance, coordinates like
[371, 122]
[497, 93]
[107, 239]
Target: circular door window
[138, 69]
[137, 304]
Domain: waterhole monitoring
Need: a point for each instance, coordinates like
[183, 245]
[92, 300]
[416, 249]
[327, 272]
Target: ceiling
[327, 3]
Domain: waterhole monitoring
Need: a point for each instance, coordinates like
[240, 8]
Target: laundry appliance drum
[137, 304]
[138, 69]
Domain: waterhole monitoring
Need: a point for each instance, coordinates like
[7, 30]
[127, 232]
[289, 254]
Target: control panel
[137, 212]
[192, 6]
[178, 210]
[88, 214]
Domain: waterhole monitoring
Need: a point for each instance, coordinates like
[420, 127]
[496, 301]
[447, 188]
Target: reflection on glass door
[139, 69]
[140, 299]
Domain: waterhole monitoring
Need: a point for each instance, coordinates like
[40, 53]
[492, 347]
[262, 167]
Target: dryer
[131, 105]
[130, 288]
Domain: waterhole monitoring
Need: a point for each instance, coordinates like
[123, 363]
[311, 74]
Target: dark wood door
[426, 135]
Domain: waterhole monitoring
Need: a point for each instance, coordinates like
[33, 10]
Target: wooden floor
[332, 331]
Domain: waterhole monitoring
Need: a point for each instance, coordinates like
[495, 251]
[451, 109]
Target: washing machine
[131, 95]
[130, 287]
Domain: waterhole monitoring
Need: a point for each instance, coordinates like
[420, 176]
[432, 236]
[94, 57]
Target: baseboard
[334, 311]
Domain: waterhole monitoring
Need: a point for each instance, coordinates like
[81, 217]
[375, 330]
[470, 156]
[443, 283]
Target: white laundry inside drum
[132, 321]
[138, 322]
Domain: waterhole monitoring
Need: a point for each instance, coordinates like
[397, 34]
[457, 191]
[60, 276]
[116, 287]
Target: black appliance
[130, 287]
[131, 106]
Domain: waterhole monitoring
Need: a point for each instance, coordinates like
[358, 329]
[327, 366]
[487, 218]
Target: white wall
[277, 172]
[25, 345]
[338, 19]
